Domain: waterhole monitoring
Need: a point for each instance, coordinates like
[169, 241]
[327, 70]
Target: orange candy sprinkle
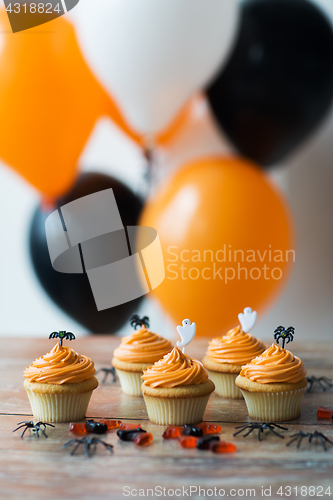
[188, 441]
[77, 428]
[172, 432]
[222, 447]
[209, 428]
[111, 424]
[127, 427]
[324, 412]
[143, 438]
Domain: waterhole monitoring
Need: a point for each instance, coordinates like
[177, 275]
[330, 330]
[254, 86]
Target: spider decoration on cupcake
[136, 321]
[324, 383]
[287, 335]
[87, 442]
[62, 334]
[319, 438]
[36, 428]
[261, 426]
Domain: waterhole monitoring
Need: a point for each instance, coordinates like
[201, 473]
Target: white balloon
[151, 55]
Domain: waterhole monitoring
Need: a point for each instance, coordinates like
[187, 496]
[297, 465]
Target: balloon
[152, 55]
[278, 84]
[49, 102]
[72, 292]
[226, 239]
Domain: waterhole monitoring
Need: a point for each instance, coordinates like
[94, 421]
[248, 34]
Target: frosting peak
[275, 365]
[60, 366]
[143, 346]
[235, 347]
[175, 369]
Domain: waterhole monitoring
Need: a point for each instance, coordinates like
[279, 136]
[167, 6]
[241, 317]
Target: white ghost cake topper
[247, 319]
[186, 332]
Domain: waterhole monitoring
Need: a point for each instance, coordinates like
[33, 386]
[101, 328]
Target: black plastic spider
[28, 424]
[107, 372]
[284, 334]
[87, 442]
[319, 436]
[62, 334]
[323, 382]
[136, 321]
[261, 427]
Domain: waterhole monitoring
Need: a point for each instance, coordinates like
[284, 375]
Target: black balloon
[72, 292]
[278, 83]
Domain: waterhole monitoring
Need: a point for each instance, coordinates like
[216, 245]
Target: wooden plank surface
[32, 468]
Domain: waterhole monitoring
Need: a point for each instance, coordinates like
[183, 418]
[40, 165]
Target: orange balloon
[226, 237]
[49, 102]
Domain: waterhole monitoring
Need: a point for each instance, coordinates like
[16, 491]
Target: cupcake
[135, 353]
[176, 390]
[273, 385]
[60, 384]
[226, 355]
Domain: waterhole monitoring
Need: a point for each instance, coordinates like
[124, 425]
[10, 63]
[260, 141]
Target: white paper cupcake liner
[225, 384]
[59, 407]
[168, 411]
[130, 382]
[274, 406]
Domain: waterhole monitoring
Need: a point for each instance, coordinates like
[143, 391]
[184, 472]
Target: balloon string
[149, 156]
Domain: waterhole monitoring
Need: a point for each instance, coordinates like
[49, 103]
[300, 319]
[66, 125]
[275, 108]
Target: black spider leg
[75, 441]
[20, 427]
[243, 427]
[108, 446]
[260, 431]
[279, 426]
[271, 428]
[318, 436]
[325, 383]
[322, 438]
[86, 446]
[299, 436]
[38, 428]
[107, 371]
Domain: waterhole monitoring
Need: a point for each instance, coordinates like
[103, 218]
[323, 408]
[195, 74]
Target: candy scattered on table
[172, 432]
[130, 434]
[209, 428]
[222, 447]
[143, 439]
[188, 441]
[191, 430]
[78, 428]
[94, 426]
[127, 427]
[111, 424]
[205, 442]
[324, 412]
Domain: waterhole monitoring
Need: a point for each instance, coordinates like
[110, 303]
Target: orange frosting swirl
[175, 369]
[235, 347]
[275, 365]
[60, 366]
[143, 346]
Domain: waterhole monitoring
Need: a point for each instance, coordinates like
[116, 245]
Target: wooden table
[32, 468]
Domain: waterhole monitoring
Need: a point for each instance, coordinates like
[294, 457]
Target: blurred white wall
[306, 178]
